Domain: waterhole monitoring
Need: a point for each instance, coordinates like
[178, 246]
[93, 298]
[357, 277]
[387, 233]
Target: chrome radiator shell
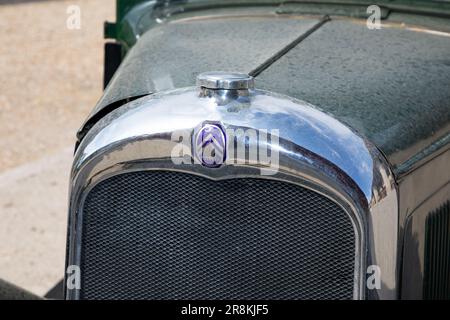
[315, 151]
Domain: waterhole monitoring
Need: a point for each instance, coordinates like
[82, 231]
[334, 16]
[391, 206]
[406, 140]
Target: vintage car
[267, 150]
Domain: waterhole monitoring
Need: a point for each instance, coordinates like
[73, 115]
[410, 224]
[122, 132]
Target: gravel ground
[50, 79]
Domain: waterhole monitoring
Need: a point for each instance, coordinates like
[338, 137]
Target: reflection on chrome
[314, 150]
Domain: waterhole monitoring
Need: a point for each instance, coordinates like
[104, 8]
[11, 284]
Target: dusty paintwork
[391, 85]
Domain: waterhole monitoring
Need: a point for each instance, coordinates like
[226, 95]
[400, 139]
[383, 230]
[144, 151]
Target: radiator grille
[171, 235]
[437, 254]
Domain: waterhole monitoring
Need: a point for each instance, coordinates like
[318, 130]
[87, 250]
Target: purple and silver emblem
[210, 145]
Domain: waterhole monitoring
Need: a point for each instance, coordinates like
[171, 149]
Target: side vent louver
[437, 254]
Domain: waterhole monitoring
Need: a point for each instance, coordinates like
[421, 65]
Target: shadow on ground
[20, 1]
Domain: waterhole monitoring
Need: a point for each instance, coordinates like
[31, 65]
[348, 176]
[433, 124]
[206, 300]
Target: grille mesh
[169, 235]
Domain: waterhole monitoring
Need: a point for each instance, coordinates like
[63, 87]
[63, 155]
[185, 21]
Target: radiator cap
[225, 80]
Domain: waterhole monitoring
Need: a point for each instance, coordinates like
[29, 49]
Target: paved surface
[50, 78]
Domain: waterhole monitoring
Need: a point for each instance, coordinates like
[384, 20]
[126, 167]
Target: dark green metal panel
[134, 17]
[124, 6]
[390, 84]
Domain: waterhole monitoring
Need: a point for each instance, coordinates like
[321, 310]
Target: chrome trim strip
[315, 151]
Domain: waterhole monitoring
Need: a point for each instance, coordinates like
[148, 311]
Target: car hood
[391, 85]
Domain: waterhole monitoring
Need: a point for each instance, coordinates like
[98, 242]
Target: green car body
[391, 85]
[404, 146]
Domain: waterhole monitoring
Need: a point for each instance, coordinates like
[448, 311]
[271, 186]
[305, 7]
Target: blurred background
[50, 78]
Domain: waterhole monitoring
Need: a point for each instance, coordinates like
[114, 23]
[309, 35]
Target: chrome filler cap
[219, 80]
